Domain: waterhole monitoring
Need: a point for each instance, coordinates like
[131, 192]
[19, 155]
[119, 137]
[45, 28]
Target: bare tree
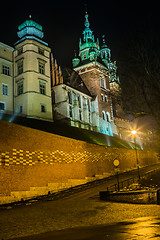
[140, 78]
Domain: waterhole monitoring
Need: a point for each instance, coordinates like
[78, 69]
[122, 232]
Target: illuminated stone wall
[32, 158]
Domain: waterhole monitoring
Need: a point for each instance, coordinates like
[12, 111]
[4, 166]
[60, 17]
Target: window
[102, 83]
[108, 117]
[102, 97]
[20, 50]
[6, 70]
[80, 115]
[19, 88]
[4, 89]
[70, 97]
[20, 108]
[103, 115]
[106, 98]
[70, 112]
[89, 107]
[43, 108]
[41, 51]
[79, 101]
[20, 67]
[2, 106]
[42, 87]
[41, 68]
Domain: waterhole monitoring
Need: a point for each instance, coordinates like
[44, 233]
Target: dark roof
[73, 79]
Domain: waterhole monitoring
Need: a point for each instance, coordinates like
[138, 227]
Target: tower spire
[88, 36]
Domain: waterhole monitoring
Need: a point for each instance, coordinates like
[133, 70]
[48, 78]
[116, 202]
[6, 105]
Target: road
[78, 212]
[139, 229]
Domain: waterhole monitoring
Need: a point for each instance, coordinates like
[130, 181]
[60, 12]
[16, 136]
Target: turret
[30, 30]
[75, 60]
[105, 52]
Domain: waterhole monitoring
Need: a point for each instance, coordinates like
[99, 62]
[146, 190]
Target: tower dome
[29, 29]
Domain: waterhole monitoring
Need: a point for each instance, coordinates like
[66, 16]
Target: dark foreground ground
[140, 228]
[81, 216]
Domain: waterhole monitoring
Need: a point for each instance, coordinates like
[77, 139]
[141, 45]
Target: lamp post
[116, 164]
[134, 133]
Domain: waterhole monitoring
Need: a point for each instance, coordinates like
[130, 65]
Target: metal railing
[126, 183]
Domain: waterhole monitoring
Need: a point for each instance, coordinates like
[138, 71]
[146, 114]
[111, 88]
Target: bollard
[158, 197]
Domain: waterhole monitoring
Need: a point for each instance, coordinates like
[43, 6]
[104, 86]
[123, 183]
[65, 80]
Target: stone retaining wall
[33, 158]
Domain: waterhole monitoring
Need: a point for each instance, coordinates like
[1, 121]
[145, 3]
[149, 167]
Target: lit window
[19, 88]
[42, 87]
[43, 108]
[4, 89]
[41, 68]
[2, 106]
[20, 67]
[6, 70]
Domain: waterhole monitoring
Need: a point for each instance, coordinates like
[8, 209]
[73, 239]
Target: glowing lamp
[134, 132]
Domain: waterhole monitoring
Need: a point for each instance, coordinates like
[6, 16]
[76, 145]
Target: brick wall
[30, 157]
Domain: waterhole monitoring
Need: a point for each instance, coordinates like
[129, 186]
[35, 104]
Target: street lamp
[134, 133]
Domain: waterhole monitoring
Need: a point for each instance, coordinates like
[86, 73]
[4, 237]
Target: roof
[30, 23]
[6, 46]
[72, 79]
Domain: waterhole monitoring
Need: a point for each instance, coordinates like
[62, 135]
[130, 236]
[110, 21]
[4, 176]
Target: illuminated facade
[98, 72]
[33, 85]
[84, 97]
[72, 101]
[32, 72]
[26, 86]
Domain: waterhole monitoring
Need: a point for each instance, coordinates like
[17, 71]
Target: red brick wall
[30, 157]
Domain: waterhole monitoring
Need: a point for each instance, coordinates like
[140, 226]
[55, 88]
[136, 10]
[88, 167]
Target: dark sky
[63, 23]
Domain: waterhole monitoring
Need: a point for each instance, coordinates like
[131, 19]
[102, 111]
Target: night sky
[63, 23]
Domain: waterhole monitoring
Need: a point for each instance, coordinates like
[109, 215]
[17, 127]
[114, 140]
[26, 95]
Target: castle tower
[94, 67]
[32, 95]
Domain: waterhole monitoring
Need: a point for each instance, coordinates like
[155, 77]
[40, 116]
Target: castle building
[25, 76]
[34, 86]
[97, 74]
[6, 79]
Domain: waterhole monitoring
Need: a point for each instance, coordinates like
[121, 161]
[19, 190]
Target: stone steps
[44, 190]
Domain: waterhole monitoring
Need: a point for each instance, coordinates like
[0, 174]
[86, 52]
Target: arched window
[108, 117]
[69, 97]
[103, 115]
